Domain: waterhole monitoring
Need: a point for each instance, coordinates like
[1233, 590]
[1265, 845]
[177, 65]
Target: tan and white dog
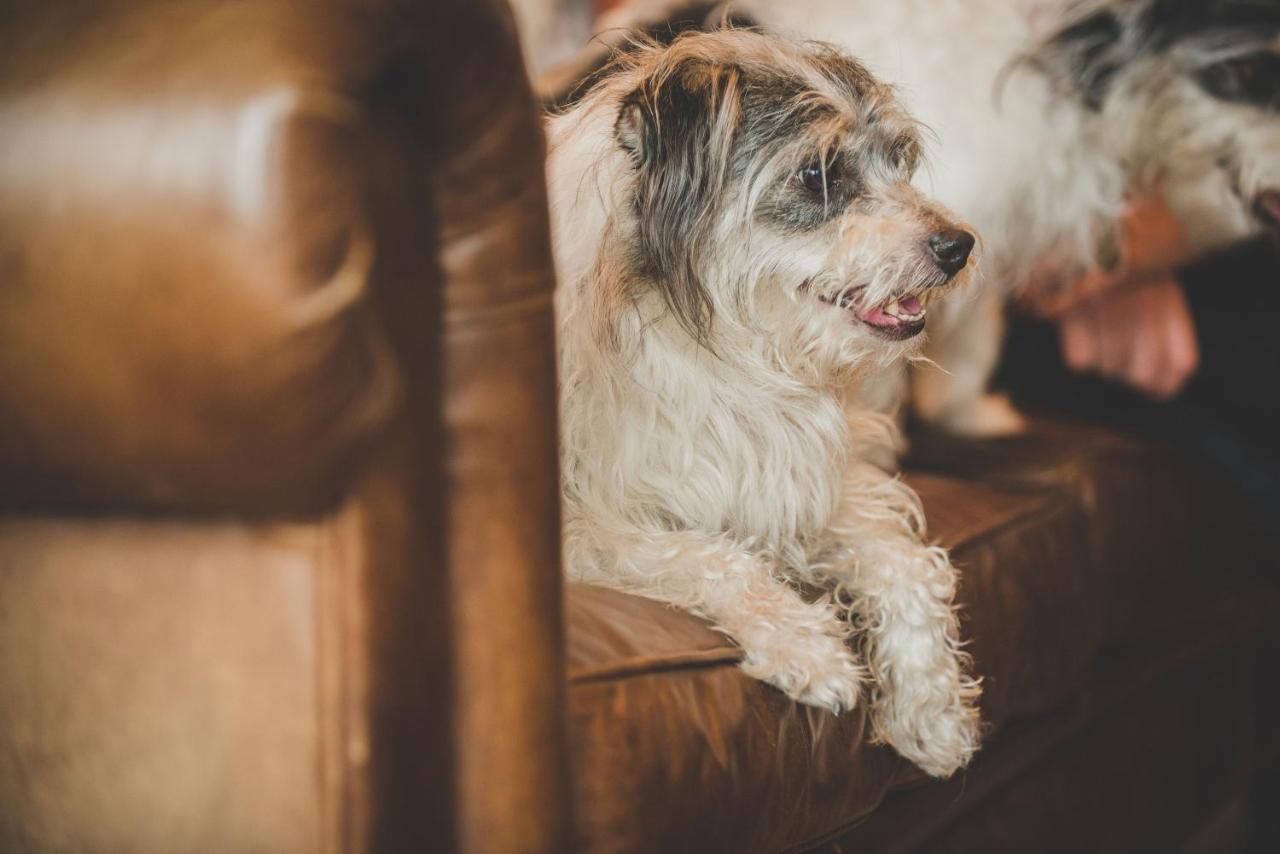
[739, 245]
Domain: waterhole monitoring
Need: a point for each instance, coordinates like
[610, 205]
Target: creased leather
[264, 267]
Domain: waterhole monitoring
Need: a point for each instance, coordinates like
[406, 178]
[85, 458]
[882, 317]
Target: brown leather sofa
[278, 552]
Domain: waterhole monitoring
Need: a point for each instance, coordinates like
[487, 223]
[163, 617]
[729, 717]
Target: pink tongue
[1270, 202]
[877, 316]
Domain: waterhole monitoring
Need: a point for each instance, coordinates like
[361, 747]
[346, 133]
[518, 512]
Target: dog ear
[678, 127]
[674, 113]
[1087, 54]
[633, 129]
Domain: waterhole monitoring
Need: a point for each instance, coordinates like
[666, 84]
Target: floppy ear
[675, 114]
[677, 127]
[1086, 55]
[633, 128]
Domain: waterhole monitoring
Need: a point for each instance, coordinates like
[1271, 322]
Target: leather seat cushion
[675, 749]
[1178, 706]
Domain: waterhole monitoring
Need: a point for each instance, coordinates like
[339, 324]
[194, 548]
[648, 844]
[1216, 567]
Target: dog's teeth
[891, 309]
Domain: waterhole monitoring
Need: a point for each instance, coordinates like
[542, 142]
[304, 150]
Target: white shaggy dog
[738, 243]
[1048, 115]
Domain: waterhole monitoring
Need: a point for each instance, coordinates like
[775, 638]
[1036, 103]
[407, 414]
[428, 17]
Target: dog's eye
[1252, 79]
[817, 179]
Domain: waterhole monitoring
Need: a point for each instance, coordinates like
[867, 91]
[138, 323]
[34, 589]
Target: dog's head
[769, 200]
[1191, 88]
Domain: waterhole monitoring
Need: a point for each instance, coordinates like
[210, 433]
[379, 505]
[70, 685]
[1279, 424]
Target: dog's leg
[964, 344]
[902, 598]
[795, 645]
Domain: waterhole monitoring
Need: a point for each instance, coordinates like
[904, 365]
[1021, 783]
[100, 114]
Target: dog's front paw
[811, 667]
[940, 741]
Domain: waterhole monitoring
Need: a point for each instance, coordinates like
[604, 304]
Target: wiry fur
[709, 461]
[1048, 115]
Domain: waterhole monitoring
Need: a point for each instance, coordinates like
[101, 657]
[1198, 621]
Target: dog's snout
[950, 248]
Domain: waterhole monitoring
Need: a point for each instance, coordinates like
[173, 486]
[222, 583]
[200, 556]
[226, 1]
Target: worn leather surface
[186, 257]
[662, 717]
[278, 520]
[165, 685]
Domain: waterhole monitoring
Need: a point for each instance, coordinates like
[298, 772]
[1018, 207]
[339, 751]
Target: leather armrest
[186, 252]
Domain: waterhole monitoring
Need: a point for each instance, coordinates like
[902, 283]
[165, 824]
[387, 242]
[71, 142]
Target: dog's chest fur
[678, 438]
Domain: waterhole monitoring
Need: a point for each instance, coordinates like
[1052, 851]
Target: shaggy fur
[739, 245]
[1047, 116]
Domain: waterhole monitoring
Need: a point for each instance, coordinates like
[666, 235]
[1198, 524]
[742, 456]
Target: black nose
[950, 248]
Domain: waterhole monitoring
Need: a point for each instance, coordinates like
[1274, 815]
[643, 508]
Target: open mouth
[1266, 207]
[897, 320]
